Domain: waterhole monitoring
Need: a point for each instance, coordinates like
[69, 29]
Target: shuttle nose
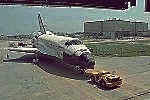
[87, 60]
[91, 64]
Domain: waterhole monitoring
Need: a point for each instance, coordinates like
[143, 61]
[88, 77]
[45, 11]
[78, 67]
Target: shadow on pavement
[60, 69]
[51, 66]
[28, 58]
[100, 87]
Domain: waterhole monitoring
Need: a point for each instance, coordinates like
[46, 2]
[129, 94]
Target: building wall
[107, 26]
[116, 25]
[94, 27]
[138, 26]
[146, 33]
[116, 28]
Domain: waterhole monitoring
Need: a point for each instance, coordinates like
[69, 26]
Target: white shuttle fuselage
[69, 50]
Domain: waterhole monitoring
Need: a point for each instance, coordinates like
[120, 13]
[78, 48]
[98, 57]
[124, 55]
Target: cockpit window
[74, 42]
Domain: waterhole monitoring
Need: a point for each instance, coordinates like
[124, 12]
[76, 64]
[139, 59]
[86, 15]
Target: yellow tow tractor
[104, 78]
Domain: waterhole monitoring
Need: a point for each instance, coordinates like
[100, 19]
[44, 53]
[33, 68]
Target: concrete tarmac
[20, 79]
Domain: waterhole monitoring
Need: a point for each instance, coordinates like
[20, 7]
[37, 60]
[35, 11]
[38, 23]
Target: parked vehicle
[104, 78]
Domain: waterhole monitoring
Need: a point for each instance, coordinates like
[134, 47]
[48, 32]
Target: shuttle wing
[28, 50]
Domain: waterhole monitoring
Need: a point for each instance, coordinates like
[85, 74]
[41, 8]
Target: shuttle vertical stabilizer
[42, 27]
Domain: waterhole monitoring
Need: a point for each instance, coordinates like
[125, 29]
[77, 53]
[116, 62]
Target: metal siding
[93, 27]
[113, 26]
[139, 26]
[107, 26]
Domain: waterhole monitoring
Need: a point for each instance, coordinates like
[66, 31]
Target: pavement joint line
[139, 94]
[134, 95]
[147, 91]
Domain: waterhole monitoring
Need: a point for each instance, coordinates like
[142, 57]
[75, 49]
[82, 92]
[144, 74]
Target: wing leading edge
[28, 50]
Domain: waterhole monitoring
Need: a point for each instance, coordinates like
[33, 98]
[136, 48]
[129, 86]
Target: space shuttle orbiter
[69, 50]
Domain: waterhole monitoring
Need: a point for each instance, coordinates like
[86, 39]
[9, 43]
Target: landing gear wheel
[81, 71]
[36, 59]
[92, 78]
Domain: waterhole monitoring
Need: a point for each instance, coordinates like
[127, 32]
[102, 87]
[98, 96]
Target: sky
[23, 19]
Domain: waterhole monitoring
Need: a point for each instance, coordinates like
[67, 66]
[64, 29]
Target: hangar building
[116, 28]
